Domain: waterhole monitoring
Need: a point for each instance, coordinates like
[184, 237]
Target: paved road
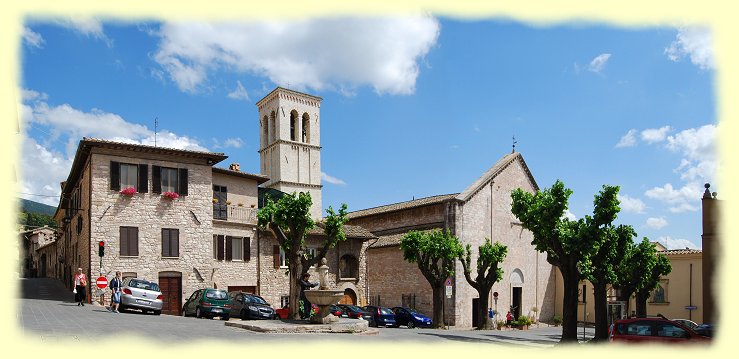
[48, 310]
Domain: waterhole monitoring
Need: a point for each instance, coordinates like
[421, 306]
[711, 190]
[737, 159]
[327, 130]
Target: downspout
[366, 271]
[259, 265]
[89, 225]
[690, 293]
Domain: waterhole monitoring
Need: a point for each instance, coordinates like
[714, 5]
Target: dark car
[352, 311]
[250, 306]
[653, 330]
[208, 303]
[383, 316]
[411, 318]
[705, 330]
[335, 310]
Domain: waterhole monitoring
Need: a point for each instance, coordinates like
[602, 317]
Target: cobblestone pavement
[47, 310]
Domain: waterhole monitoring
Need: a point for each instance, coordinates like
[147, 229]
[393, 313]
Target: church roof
[497, 168]
[355, 232]
[401, 205]
[394, 239]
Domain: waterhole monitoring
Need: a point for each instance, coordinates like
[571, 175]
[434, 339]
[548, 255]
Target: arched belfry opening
[273, 127]
[293, 125]
[306, 128]
[265, 130]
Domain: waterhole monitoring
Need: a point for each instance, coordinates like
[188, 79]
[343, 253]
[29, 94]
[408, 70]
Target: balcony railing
[235, 214]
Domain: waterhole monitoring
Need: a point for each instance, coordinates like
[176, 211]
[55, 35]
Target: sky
[413, 106]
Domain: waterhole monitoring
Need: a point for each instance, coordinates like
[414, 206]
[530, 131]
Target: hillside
[35, 207]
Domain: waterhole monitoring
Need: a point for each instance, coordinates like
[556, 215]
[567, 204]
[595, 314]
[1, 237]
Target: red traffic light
[101, 243]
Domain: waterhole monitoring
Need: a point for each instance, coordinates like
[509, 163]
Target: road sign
[102, 282]
[690, 307]
[449, 291]
[448, 282]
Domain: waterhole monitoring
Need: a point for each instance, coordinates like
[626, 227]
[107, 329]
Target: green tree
[435, 253]
[289, 219]
[542, 213]
[488, 258]
[639, 272]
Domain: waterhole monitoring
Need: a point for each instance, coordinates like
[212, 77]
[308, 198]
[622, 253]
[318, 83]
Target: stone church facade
[479, 212]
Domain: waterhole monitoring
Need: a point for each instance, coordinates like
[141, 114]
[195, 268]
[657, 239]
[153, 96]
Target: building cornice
[304, 185]
[287, 142]
[283, 93]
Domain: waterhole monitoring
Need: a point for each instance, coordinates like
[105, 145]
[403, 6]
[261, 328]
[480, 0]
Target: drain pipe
[366, 272]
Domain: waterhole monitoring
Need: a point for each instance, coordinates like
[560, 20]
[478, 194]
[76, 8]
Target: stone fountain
[323, 297]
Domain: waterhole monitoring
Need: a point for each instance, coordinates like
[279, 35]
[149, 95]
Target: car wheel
[410, 324]
[243, 314]
[225, 317]
[198, 314]
[184, 312]
[157, 312]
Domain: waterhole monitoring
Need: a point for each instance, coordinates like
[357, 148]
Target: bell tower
[290, 143]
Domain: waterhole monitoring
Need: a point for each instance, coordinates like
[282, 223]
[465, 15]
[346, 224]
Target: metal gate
[616, 311]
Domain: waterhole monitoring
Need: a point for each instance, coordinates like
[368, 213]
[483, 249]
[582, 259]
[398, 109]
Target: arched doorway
[350, 297]
[516, 280]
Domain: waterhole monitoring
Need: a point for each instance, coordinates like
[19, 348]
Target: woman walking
[80, 282]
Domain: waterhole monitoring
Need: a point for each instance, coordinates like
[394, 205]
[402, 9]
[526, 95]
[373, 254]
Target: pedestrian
[304, 285]
[115, 296]
[508, 318]
[80, 283]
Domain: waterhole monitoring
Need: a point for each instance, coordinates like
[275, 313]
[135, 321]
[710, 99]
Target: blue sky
[412, 107]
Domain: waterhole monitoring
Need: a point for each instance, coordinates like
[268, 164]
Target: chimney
[234, 167]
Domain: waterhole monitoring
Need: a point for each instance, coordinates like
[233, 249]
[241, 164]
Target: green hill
[35, 207]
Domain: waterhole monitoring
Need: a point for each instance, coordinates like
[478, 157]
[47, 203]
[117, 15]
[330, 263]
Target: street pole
[584, 310]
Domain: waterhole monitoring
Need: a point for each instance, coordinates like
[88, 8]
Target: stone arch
[516, 278]
[306, 128]
[273, 127]
[350, 293]
[294, 125]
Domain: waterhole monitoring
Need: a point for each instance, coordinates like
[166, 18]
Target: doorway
[170, 284]
[516, 303]
[475, 305]
[349, 297]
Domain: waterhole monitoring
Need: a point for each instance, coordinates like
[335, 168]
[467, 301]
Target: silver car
[141, 294]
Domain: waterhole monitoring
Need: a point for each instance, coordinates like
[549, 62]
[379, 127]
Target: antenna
[514, 144]
[156, 124]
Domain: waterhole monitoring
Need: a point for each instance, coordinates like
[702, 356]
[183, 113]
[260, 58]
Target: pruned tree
[639, 272]
[289, 220]
[542, 213]
[435, 253]
[656, 266]
[488, 273]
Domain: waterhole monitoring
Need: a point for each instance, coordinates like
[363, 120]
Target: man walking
[115, 288]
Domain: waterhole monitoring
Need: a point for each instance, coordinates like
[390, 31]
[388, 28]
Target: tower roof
[279, 89]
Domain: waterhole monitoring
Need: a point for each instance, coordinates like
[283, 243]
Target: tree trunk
[641, 303]
[601, 312]
[438, 294]
[571, 280]
[625, 296]
[484, 322]
[296, 270]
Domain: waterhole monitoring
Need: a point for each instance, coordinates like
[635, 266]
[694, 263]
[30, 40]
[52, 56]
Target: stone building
[480, 212]
[38, 256]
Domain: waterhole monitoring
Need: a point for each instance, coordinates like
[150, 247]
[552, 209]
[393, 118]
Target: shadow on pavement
[45, 289]
[465, 339]
[538, 341]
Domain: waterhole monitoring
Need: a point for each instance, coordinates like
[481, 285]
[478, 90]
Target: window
[129, 241]
[231, 248]
[279, 257]
[79, 225]
[670, 331]
[237, 252]
[125, 175]
[348, 266]
[306, 128]
[220, 206]
[170, 242]
[659, 294]
[284, 301]
[167, 179]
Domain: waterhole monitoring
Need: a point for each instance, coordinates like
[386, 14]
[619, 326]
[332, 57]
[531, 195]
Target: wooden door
[171, 288]
[349, 297]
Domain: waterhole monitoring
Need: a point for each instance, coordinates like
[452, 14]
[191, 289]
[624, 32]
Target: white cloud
[330, 179]
[670, 243]
[32, 38]
[698, 146]
[41, 172]
[631, 205]
[86, 26]
[628, 140]
[569, 215]
[681, 200]
[656, 223]
[338, 54]
[653, 135]
[234, 142]
[30, 95]
[239, 93]
[598, 63]
[696, 43]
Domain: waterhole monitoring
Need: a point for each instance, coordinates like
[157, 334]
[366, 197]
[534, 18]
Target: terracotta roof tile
[402, 205]
[680, 251]
[394, 239]
[355, 232]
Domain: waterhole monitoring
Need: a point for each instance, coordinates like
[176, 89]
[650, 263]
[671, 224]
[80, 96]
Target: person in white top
[80, 283]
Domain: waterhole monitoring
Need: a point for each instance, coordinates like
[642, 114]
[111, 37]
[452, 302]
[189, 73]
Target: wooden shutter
[165, 243]
[247, 248]
[182, 182]
[220, 247]
[229, 248]
[143, 185]
[115, 176]
[174, 242]
[276, 256]
[124, 241]
[156, 179]
[133, 242]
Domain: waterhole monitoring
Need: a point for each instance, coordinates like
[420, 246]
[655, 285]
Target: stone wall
[390, 276]
[403, 220]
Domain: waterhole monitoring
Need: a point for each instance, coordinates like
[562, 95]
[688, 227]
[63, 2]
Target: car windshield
[386, 311]
[255, 299]
[216, 294]
[142, 284]
[354, 308]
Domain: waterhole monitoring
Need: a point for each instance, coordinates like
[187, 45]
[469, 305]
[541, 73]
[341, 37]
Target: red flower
[129, 191]
[170, 195]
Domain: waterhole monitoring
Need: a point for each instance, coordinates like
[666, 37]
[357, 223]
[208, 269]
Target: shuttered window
[170, 242]
[127, 175]
[129, 241]
[231, 248]
[167, 179]
[218, 247]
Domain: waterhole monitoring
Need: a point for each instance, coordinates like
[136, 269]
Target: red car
[653, 330]
[283, 312]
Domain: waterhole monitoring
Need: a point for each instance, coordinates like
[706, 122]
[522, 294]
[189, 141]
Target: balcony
[234, 214]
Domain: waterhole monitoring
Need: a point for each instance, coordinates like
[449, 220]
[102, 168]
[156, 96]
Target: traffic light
[101, 248]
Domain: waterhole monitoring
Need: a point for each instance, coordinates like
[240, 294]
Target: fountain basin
[323, 298]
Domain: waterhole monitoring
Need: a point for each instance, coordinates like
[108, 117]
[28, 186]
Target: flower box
[129, 191]
[170, 195]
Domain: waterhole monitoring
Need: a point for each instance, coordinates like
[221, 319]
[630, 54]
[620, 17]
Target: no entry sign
[102, 282]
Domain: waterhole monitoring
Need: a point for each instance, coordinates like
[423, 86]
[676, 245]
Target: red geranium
[129, 191]
[171, 195]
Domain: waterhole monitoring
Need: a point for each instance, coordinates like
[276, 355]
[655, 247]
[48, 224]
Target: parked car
[284, 311]
[686, 323]
[141, 294]
[352, 311]
[383, 316]
[705, 330]
[250, 306]
[208, 303]
[336, 311]
[653, 330]
[411, 318]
